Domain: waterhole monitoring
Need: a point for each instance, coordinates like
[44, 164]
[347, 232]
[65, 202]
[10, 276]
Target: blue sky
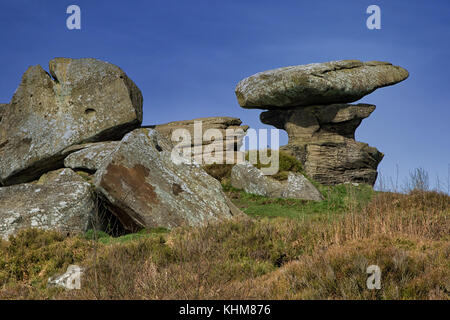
[188, 56]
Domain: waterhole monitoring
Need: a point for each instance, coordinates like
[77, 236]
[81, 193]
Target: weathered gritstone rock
[204, 146]
[88, 100]
[144, 188]
[66, 207]
[59, 176]
[317, 83]
[247, 177]
[90, 156]
[323, 139]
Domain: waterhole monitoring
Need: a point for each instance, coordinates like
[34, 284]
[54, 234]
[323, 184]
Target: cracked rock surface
[66, 207]
[323, 139]
[145, 188]
[83, 100]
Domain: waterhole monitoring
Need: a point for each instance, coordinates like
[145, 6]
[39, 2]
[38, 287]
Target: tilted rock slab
[66, 207]
[90, 156]
[200, 147]
[87, 100]
[144, 188]
[247, 177]
[323, 139]
[316, 83]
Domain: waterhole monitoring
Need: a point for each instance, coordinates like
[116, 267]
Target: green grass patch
[338, 199]
[144, 233]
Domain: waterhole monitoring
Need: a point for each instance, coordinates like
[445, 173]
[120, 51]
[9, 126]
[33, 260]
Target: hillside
[281, 249]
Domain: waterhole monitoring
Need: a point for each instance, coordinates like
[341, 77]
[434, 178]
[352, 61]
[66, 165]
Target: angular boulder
[90, 156]
[66, 207]
[247, 177]
[144, 188]
[87, 100]
[323, 139]
[317, 83]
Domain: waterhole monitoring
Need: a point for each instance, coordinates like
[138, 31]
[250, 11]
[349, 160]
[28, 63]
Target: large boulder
[247, 177]
[317, 83]
[200, 146]
[66, 207]
[144, 187]
[87, 100]
[323, 139]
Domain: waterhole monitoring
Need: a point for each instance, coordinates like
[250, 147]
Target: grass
[287, 163]
[338, 200]
[263, 255]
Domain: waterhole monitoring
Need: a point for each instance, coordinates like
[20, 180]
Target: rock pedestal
[310, 103]
[323, 139]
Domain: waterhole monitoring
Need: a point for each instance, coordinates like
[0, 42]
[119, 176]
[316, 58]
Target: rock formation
[86, 101]
[249, 178]
[90, 156]
[310, 103]
[201, 147]
[316, 83]
[145, 188]
[85, 117]
[64, 206]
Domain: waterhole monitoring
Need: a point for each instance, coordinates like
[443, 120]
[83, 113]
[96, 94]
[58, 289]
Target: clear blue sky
[187, 57]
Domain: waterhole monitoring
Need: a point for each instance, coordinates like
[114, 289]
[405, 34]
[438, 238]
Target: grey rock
[298, 187]
[87, 101]
[66, 207]
[323, 139]
[317, 83]
[200, 150]
[143, 187]
[90, 156]
[250, 179]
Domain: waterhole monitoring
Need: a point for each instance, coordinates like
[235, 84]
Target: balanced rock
[247, 177]
[144, 187]
[323, 139]
[316, 83]
[230, 132]
[87, 100]
[89, 156]
[66, 207]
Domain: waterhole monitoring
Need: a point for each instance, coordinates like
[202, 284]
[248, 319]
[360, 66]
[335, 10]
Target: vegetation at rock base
[300, 255]
[287, 163]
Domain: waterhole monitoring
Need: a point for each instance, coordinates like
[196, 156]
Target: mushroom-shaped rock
[316, 83]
